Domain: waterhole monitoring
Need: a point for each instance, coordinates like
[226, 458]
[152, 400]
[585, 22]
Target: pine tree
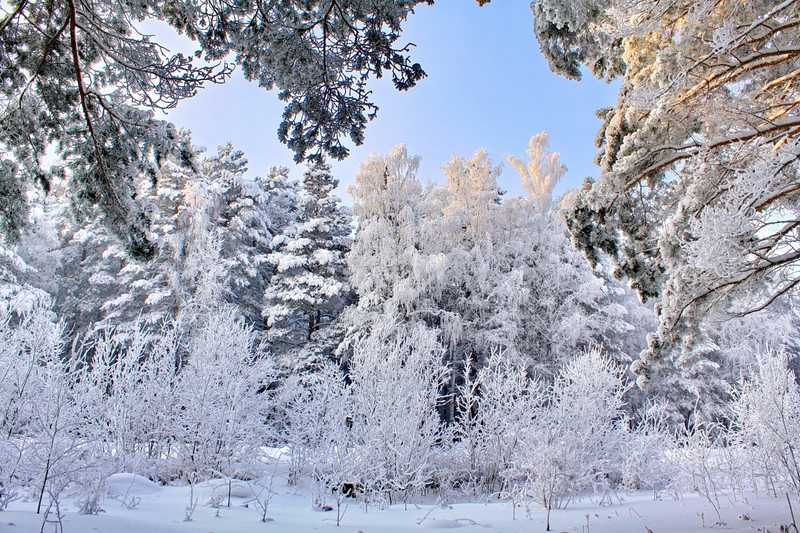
[696, 202]
[28, 265]
[308, 288]
[243, 211]
[102, 283]
[82, 82]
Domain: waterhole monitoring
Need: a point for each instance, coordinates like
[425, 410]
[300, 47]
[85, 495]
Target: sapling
[576, 434]
[397, 375]
[192, 507]
[53, 516]
[265, 492]
[696, 457]
[515, 493]
[128, 501]
[766, 416]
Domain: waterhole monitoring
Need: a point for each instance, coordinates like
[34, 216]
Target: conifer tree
[697, 198]
[101, 282]
[307, 291]
[29, 264]
[247, 215]
[82, 81]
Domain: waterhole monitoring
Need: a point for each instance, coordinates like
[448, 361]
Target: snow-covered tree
[221, 400]
[541, 173]
[100, 282]
[766, 417]
[576, 34]
[83, 82]
[696, 202]
[28, 265]
[222, 252]
[577, 435]
[486, 273]
[477, 286]
[694, 384]
[307, 291]
[397, 373]
[389, 272]
[646, 460]
[512, 279]
[204, 276]
[248, 214]
[497, 407]
[212, 226]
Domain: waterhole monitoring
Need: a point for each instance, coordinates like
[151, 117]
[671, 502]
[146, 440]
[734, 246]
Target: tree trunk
[312, 323]
[547, 521]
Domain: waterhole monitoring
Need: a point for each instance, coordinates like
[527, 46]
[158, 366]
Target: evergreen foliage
[309, 286]
[697, 201]
[81, 81]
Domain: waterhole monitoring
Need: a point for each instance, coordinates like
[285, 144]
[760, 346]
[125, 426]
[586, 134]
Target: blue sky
[488, 85]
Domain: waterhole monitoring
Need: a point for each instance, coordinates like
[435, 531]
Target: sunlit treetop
[698, 197]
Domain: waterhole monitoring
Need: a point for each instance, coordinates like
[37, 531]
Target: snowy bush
[314, 407]
[134, 372]
[576, 437]
[397, 374]
[766, 418]
[222, 400]
[497, 408]
[644, 457]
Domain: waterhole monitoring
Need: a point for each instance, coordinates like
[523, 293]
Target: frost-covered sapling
[515, 492]
[397, 374]
[574, 441]
[644, 460]
[336, 462]
[496, 410]
[189, 510]
[223, 400]
[697, 458]
[262, 491]
[766, 416]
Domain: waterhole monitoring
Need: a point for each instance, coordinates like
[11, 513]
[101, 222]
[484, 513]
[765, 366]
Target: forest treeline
[432, 337]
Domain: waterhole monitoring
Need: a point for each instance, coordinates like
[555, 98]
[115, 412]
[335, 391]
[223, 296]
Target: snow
[162, 510]
[130, 484]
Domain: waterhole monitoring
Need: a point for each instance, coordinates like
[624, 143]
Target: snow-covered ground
[163, 509]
